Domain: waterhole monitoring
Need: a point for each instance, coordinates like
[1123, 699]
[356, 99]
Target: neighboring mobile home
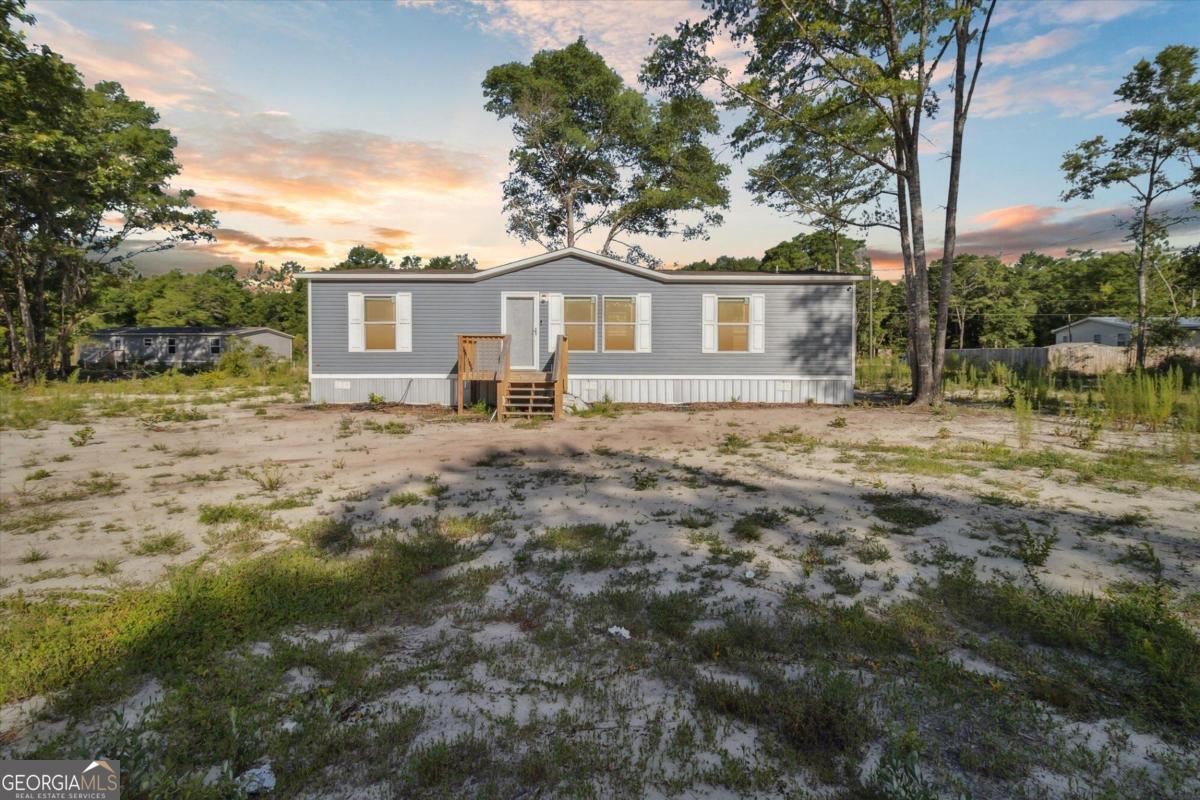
[178, 346]
[631, 334]
[1115, 332]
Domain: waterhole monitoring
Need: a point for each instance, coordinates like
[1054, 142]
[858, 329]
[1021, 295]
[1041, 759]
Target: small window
[116, 343]
[579, 323]
[214, 345]
[147, 342]
[733, 324]
[1122, 340]
[620, 318]
[1096, 338]
[171, 346]
[379, 328]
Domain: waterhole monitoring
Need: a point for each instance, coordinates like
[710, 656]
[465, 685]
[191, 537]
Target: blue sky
[314, 126]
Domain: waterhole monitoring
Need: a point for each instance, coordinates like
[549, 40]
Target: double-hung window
[620, 323]
[579, 323]
[214, 345]
[380, 322]
[733, 323]
[171, 346]
[147, 342]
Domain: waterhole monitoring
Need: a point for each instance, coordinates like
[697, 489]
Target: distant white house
[1114, 331]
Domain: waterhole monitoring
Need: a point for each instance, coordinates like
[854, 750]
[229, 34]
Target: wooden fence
[1084, 359]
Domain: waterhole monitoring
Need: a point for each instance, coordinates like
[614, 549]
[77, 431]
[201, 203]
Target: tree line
[994, 304]
[831, 109]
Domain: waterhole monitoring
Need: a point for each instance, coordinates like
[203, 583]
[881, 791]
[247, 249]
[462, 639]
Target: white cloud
[619, 30]
[1047, 45]
[1070, 91]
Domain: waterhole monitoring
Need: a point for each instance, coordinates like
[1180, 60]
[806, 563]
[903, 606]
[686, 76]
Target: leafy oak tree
[594, 155]
[85, 181]
[1156, 157]
[858, 76]
[363, 257]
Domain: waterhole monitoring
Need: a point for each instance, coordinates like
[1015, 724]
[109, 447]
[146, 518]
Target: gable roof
[185, 330]
[1115, 322]
[1187, 323]
[674, 276]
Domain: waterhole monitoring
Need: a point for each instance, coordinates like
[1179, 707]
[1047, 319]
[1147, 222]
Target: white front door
[519, 318]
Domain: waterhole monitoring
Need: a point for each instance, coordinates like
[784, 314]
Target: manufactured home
[1117, 332]
[180, 346]
[576, 325]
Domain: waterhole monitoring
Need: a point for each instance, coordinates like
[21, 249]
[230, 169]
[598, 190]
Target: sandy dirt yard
[649, 593]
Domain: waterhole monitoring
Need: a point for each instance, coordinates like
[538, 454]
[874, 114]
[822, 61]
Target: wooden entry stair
[519, 393]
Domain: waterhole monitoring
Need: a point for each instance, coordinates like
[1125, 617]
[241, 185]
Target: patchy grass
[732, 443]
[392, 427]
[405, 499]
[587, 547]
[792, 439]
[822, 717]
[697, 518]
[749, 527]
[327, 535]
[92, 647]
[903, 514]
[240, 513]
[160, 544]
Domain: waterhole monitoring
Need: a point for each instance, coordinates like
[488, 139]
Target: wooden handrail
[561, 358]
[503, 372]
[469, 368]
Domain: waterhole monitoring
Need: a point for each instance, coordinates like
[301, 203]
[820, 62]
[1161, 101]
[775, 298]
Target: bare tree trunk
[949, 238]
[28, 363]
[570, 209]
[1141, 285]
[906, 256]
[14, 352]
[927, 392]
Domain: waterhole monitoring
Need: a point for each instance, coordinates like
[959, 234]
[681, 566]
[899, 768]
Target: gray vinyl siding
[278, 344]
[808, 327]
[190, 348]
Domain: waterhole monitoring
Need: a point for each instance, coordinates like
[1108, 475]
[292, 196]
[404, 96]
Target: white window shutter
[404, 322]
[708, 321]
[758, 323]
[356, 334]
[554, 320]
[642, 333]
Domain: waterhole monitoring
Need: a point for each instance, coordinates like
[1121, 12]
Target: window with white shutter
[554, 320]
[404, 322]
[734, 324]
[758, 323]
[355, 334]
[643, 323]
[708, 323]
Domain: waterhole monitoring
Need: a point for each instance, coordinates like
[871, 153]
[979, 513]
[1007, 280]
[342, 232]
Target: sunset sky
[311, 127]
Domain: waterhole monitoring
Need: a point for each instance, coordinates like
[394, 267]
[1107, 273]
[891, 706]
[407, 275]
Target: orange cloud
[395, 237]
[244, 246]
[234, 201]
[1015, 216]
[272, 168]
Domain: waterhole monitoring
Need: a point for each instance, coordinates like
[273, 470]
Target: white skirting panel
[416, 390]
[677, 390]
[665, 390]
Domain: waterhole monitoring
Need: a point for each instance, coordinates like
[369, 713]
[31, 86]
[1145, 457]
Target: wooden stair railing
[518, 393]
[561, 357]
[476, 366]
[503, 376]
